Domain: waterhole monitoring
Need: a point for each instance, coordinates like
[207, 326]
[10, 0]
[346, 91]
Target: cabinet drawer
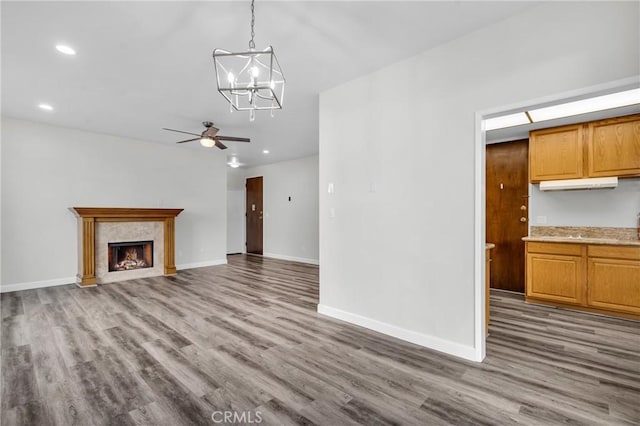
[554, 248]
[614, 252]
[614, 284]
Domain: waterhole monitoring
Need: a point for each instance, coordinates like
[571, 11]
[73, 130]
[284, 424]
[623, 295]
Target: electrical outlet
[541, 220]
[330, 188]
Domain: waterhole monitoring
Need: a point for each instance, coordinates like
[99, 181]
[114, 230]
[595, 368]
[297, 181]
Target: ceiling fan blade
[233, 139]
[189, 140]
[180, 131]
[220, 144]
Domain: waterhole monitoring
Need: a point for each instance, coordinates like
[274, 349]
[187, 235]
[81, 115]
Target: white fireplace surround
[112, 232]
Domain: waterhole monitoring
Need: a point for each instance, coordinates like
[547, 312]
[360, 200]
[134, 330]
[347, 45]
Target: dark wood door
[507, 189]
[254, 215]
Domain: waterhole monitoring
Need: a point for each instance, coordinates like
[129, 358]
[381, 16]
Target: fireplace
[97, 226]
[125, 256]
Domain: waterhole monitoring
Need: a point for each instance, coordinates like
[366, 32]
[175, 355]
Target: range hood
[567, 184]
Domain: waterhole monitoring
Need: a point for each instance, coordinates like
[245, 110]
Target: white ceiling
[146, 65]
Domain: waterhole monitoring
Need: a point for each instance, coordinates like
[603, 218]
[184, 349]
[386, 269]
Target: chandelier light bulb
[255, 71]
[230, 77]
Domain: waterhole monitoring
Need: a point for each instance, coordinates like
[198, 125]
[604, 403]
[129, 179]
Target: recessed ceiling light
[266, 151]
[46, 107]
[65, 49]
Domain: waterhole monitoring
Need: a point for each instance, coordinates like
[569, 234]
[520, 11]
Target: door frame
[480, 338]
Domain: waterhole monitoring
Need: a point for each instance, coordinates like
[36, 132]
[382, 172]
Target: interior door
[254, 215]
[507, 210]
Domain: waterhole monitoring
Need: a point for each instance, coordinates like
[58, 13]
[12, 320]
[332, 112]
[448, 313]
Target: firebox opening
[125, 256]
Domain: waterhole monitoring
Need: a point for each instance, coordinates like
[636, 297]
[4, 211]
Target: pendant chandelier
[250, 80]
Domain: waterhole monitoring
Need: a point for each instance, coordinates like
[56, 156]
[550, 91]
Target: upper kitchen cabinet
[556, 153]
[613, 147]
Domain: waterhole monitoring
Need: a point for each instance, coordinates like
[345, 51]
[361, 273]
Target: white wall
[236, 200]
[617, 207]
[46, 170]
[399, 147]
[290, 227]
[236, 179]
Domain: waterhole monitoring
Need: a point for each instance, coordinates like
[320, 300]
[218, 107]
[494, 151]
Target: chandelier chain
[252, 44]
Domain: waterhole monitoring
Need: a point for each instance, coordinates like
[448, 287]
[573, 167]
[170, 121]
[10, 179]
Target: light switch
[330, 188]
[541, 219]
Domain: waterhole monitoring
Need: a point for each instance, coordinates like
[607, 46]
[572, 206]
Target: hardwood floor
[246, 337]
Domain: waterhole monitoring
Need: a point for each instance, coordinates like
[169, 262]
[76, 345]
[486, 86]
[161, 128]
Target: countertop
[580, 240]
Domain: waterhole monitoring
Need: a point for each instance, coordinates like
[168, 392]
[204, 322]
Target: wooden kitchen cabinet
[556, 272]
[556, 153]
[613, 147]
[600, 148]
[596, 278]
[614, 278]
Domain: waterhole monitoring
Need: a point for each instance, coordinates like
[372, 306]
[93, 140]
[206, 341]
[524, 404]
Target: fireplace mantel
[87, 218]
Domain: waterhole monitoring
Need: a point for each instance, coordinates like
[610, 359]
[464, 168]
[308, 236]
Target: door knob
[523, 219]
[523, 207]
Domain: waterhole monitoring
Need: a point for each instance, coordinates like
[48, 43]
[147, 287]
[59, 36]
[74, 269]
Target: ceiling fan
[210, 137]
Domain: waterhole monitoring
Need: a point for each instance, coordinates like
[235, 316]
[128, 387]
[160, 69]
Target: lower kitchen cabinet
[614, 279]
[556, 273]
[598, 278]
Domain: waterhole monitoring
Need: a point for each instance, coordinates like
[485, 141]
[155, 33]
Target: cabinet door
[556, 153]
[614, 284]
[556, 278]
[613, 147]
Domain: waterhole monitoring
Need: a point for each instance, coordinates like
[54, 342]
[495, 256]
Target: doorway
[507, 212]
[254, 215]
[480, 211]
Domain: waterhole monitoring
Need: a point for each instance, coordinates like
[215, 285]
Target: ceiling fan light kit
[209, 137]
[207, 142]
[250, 80]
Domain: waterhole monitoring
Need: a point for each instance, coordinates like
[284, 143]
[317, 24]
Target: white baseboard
[431, 342]
[6, 288]
[62, 281]
[214, 262]
[292, 258]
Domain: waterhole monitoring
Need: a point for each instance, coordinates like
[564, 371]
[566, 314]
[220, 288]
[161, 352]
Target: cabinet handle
[523, 219]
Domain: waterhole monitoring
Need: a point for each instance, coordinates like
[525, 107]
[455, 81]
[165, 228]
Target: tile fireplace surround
[88, 217]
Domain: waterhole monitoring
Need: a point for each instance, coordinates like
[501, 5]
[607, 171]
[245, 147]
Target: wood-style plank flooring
[245, 337]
